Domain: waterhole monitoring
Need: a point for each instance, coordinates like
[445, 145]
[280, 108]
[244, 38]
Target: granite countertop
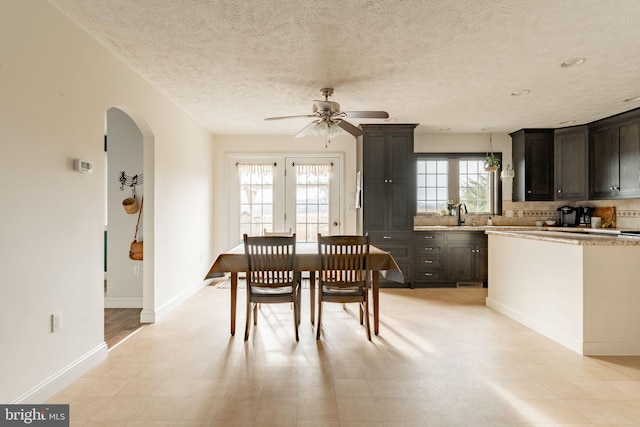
[568, 235]
[572, 238]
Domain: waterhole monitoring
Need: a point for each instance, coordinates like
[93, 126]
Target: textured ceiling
[440, 63]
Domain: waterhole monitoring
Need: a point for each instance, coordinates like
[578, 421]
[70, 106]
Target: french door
[300, 193]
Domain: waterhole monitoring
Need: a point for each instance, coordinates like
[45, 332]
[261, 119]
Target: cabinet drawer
[382, 237]
[429, 262]
[429, 236]
[428, 248]
[423, 275]
[396, 251]
[467, 237]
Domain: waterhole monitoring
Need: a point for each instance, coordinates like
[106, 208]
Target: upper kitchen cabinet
[533, 153]
[571, 163]
[614, 157]
[388, 177]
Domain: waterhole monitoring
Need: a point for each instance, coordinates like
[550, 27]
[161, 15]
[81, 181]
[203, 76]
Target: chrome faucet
[460, 220]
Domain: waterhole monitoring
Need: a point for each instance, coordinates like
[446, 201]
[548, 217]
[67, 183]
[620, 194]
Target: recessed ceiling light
[520, 92]
[567, 122]
[572, 62]
[634, 99]
[445, 129]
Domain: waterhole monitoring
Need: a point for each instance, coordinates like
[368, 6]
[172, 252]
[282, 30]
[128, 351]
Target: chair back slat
[271, 260]
[344, 260]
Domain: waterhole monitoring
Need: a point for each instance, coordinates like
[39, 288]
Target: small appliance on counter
[584, 216]
[568, 216]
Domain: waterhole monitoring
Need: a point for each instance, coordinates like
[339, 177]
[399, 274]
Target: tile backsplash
[527, 213]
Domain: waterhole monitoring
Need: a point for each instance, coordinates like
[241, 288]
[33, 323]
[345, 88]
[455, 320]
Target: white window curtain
[245, 170]
[318, 170]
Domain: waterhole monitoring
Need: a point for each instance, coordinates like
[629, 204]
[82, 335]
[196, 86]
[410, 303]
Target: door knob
[335, 223]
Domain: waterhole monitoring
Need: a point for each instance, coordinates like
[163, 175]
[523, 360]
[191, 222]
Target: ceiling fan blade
[353, 130]
[366, 114]
[305, 130]
[290, 117]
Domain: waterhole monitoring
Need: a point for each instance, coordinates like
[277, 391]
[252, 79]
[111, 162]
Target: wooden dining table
[234, 261]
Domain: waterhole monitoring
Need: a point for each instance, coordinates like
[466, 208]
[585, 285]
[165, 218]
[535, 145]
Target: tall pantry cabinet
[386, 163]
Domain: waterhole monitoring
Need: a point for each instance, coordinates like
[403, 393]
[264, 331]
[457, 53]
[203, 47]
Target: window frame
[453, 185]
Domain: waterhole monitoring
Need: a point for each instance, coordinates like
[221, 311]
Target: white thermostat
[82, 166]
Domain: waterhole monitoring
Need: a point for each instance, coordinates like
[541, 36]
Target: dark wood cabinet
[571, 163]
[447, 258]
[387, 164]
[388, 177]
[533, 153]
[614, 157]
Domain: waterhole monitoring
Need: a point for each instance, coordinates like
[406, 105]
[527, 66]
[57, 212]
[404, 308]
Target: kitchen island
[581, 290]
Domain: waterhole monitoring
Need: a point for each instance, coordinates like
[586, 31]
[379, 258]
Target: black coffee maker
[568, 216]
[584, 216]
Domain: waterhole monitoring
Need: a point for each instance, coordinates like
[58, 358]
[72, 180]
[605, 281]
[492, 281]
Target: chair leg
[366, 317]
[295, 317]
[255, 314]
[319, 321]
[248, 318]
[360, 311]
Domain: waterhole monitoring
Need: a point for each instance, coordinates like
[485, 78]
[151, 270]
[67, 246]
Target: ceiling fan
[329, 120]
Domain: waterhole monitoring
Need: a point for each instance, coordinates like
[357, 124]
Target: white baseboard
[170, 305]
[40, 393]
[123, 303]
[573, 343]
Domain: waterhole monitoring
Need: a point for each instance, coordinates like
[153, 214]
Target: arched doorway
[130, 159]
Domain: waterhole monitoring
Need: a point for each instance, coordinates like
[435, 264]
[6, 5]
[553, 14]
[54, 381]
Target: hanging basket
[491, 162]
[130, 205]
[491, 168]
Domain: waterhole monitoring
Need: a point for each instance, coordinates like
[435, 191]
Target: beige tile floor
[442, 359]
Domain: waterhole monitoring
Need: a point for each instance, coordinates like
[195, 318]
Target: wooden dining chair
[344, 274]
[272, 276]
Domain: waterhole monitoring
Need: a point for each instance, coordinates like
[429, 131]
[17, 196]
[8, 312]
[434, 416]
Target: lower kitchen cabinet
[400, 245]
[449, 258]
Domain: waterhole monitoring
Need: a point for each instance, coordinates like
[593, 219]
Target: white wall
[56, 84]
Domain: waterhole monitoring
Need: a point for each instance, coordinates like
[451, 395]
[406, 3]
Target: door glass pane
[312, 200]
[256, 198]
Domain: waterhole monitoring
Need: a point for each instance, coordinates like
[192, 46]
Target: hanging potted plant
[491, 162]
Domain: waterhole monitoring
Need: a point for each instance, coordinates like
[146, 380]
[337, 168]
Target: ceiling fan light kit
[330, 120]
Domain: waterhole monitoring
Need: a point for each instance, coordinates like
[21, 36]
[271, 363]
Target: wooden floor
[120, 323]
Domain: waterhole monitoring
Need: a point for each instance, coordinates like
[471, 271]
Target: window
[276, 193]
[456, 178]
[256, 198]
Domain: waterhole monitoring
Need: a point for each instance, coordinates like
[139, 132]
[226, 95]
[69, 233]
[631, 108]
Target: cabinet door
[629, 142]
[604, 154]
[539, 166]
[571, 147]
[533, 152]
[481, 268]
[374, 205]
[459, 263]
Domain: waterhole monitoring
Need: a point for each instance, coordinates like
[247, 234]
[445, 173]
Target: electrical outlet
[56, 321]
[136, 270]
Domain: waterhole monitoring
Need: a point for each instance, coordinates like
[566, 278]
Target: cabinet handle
[428, 274]
[559, 191]
[428, 249]
[387, 237]
[427, 261]
[390, 180]
[529, 192]
[428, 237]
[614, 187]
